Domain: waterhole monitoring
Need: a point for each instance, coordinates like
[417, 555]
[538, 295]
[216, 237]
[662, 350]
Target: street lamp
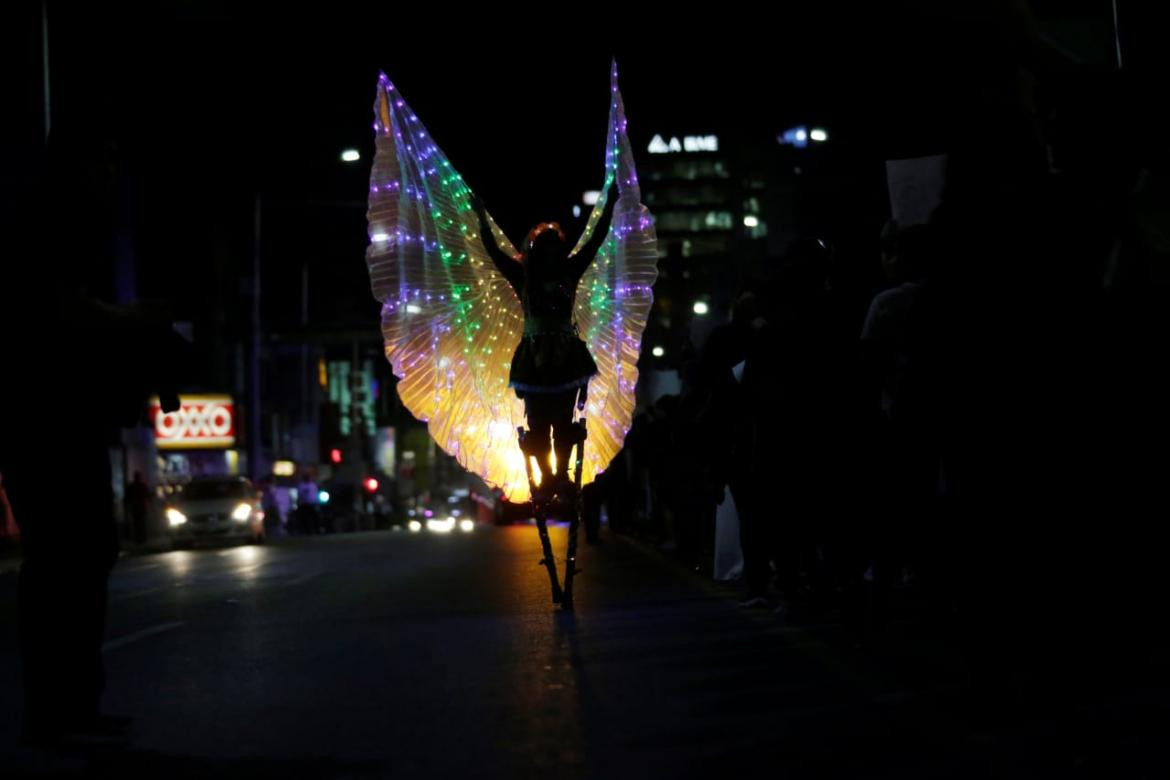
[351, 155]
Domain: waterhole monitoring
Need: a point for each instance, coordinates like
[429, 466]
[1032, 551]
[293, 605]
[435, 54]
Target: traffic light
[331, 442]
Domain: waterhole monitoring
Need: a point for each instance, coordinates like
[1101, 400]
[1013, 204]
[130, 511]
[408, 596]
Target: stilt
[540, 511]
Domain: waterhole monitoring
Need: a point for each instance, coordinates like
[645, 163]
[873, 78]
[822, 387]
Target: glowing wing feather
[450, 320]
[614, 298]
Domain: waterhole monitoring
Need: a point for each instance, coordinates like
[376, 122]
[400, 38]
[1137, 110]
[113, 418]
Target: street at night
[681, 392]
[439, 655]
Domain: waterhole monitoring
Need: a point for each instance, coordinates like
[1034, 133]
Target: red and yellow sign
[202, 422]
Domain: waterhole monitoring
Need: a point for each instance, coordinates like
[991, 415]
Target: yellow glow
[552, 462]
[322, 373]
[284, 468]
[415, 526]
[466, 525]
[535, 470]
[175, 517]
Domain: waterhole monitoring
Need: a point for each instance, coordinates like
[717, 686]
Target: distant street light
[700, 307]
[351, 155]
[658, 352]
[750, 221]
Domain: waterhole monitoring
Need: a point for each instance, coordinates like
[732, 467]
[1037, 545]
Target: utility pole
[254, 362]
[45, 66]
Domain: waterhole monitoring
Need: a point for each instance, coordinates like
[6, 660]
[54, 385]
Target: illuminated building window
[694, 221]
[705, 245]
[717, 220]
[694, 195]
[690, 169]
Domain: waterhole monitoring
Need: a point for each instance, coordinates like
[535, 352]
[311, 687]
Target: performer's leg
[568, 435]
[563, 404]
[535, 444]
[541, 413]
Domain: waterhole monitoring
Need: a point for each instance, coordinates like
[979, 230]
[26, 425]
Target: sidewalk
[927, 657]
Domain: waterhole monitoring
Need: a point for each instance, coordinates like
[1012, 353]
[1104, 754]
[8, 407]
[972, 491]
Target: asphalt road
[423, 654]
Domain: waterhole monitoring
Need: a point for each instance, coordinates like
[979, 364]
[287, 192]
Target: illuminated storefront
[196, 440]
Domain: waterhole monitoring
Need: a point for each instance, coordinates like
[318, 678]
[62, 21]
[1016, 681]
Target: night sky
[211, 103]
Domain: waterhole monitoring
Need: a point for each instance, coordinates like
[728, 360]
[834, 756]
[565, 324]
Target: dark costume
[551, 366]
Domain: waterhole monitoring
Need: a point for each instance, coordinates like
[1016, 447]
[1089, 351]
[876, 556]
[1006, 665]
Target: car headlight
[242, 512]
[175, 517]
[441, 526]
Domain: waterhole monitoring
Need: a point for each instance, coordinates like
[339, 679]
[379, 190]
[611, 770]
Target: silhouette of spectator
[138, 506]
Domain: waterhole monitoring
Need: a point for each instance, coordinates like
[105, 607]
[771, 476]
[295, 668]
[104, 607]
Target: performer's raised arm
[506, 264]
[581, 260]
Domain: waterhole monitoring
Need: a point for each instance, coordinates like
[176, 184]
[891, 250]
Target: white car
[212, 508]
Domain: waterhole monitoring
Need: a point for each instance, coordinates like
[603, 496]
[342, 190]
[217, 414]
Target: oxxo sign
[203, 421]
